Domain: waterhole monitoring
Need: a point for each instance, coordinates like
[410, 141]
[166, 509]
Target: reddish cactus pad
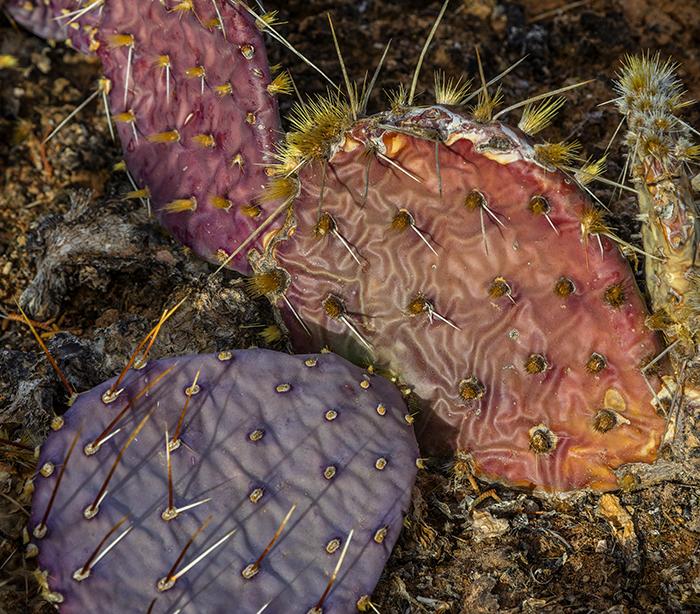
[198, 116]
[194, 105]
[522, 337]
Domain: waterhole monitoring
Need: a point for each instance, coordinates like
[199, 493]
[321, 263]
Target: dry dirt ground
[96, 272]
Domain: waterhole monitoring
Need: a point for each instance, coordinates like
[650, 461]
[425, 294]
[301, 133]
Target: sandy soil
[635, 551]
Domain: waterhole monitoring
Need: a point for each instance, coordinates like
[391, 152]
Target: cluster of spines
[651, 97]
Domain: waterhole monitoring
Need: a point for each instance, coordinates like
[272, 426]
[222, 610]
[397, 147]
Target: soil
[96, 272]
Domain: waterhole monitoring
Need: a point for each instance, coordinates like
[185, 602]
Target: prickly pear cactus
[454, 254]
[444, 247]
[194, 103]
[250, 478]
[451, 252]
[651, 99]
[196, 111]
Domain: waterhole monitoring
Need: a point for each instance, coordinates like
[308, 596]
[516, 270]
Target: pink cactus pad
[521, 334]
[197, 117]
[191, 94]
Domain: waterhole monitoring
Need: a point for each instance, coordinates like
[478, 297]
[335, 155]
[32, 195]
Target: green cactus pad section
[481, 278]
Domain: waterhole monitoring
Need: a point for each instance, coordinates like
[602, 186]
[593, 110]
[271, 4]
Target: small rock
[487, 526]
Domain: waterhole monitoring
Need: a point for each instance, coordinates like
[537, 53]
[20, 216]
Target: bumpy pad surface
[189, 95]
[197, 119]
[262, 432]
[541, 382]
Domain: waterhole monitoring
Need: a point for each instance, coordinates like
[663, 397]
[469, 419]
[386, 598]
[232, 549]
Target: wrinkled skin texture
[242, 123]
[496, 335]
[205, 178]
[221, 458]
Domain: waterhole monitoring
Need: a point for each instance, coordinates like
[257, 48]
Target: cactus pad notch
[255, 437]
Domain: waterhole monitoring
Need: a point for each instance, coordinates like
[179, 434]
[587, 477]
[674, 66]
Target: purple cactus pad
[263, 431]
[59, 19]
[196, 120]
[193, 101]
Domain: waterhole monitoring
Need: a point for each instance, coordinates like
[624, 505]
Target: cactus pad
[485, 280]
[194, 103]
[190, 95]
[262, 432]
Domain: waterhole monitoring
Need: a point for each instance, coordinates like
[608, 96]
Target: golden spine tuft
[660, 146]
[398, 99]
[563, 153]
[281, 84]
[591, 170]
[537, 117]
[181, 205]
[450, 91]
[268, 20]
[317, 124]
[486, 104]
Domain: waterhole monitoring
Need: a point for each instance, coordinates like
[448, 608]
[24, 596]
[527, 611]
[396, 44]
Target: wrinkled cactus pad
[264, 436]
[484, 279]
[194, 103]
